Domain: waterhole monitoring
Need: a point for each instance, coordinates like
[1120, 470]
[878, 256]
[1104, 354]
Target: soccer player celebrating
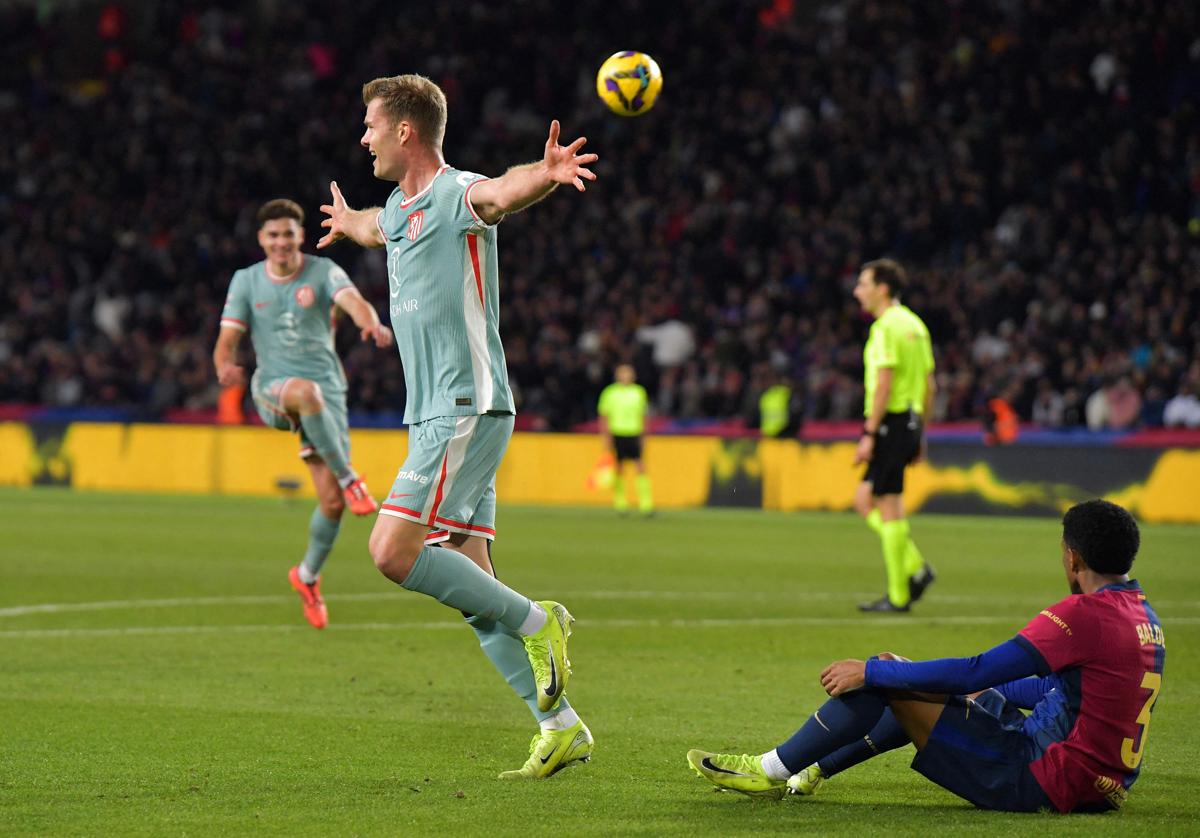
[1089, 667]
[299, 384]
[622, 409]
[439, 228]
[898, 379]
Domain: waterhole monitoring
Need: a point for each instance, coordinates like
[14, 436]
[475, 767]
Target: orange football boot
[359, 499]
[310, 595]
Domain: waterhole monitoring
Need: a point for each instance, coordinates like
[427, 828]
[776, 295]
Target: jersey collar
[408, 201]
[1131, 585]
[283, 280]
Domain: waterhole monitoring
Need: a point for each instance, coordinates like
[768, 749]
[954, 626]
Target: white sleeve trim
[471, 207]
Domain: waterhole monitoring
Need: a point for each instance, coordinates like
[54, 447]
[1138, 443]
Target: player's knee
[862, 503]
[333, 507]
[307, 395]
[890, 507]
[392, 557]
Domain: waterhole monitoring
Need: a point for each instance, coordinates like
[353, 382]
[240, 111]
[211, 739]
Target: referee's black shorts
[897, 444]
[627, 447]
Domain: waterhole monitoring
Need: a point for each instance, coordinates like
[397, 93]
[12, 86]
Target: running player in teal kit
[439, 228]
[299, 385]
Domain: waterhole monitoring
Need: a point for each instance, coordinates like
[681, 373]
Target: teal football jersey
[445, 300]
[290, 320]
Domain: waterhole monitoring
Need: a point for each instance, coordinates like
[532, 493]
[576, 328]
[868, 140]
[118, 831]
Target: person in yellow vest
[622, 410]
[898, 364]
[780, 408]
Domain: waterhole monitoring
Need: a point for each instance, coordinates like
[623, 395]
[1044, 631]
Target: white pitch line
[275, 599]
[652, 595]
[735, 622]
[121, 604]
[214, 629]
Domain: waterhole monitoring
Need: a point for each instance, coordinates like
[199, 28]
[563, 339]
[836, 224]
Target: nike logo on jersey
[400, 495]
[262, 305]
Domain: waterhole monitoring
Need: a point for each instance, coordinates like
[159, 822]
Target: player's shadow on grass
[726, 801]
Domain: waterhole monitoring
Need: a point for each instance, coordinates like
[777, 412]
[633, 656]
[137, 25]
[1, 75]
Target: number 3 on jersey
[1131, 754]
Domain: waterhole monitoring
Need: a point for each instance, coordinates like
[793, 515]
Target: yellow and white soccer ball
[629, 83]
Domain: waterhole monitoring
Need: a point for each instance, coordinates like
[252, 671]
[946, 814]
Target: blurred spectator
[671, 342]
[1183, 411]
[1114, 406]
[1049, 406]
[1035, 165]
[1124, 404]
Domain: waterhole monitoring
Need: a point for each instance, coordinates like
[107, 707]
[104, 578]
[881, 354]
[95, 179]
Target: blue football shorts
[979, 751]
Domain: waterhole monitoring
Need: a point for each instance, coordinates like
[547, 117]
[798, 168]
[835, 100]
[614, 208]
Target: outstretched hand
[336, 222]
[563, 163]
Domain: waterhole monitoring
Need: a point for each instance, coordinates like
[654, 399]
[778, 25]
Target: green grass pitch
[157, 678]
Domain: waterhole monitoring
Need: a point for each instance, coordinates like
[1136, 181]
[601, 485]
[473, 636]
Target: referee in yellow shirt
[898, 363]
[622, 410]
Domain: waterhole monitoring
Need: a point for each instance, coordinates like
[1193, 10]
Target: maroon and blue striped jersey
[1107, 649]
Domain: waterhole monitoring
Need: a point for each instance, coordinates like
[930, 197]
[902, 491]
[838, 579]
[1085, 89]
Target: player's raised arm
[521, 186]
[344, 223]
[365, 317]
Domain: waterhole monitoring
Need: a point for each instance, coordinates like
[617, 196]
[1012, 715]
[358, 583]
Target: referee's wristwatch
[867, 431]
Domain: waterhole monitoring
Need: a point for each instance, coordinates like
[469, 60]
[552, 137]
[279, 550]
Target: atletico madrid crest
[305, 296]
[414, 225]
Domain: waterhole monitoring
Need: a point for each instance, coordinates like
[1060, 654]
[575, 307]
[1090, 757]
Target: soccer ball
[629, 82]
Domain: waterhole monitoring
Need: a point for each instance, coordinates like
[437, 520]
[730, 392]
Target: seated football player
[1088, 667]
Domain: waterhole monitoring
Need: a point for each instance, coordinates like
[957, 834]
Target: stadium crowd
[1036, 165]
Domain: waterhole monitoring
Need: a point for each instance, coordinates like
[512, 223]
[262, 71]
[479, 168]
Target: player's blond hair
[413, 98]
